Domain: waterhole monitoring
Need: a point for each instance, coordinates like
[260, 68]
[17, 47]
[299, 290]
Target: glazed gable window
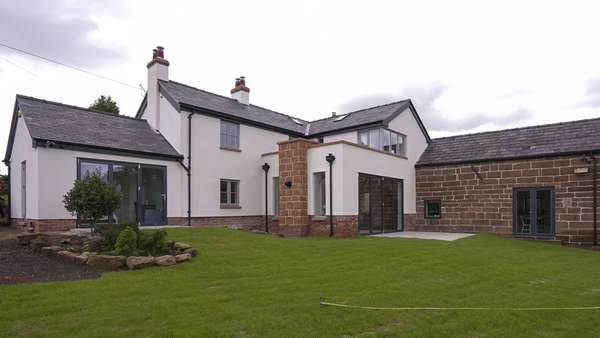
[383, 139]
[230, 135]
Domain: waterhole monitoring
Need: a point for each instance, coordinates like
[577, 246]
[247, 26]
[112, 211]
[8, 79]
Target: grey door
[533, 211]
[153, 195]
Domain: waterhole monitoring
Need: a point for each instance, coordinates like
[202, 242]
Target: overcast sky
[468, 65]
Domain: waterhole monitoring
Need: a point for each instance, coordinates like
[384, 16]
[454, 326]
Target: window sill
[318, 218]
[433, 217]
[231, 149]
[230, 206]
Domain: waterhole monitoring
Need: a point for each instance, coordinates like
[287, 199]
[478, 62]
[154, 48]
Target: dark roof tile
[58, 122]
[543, 140]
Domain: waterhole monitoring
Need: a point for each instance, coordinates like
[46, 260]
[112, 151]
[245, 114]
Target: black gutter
[38, 142]
[233, 118]
[330, 158]
[266, 168]
[499, 159]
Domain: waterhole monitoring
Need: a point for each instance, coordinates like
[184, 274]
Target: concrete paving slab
[440, 236]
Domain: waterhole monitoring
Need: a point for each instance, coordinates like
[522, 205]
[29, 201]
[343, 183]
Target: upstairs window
[383, 139]
[230, 135]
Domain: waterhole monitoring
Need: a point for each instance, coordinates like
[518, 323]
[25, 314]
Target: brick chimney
[240, 92]
[158, 69]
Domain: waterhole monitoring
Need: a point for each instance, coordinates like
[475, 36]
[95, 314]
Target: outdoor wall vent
[583, 170]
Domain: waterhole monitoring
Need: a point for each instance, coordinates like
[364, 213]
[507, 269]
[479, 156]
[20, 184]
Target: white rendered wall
[416, 143]
[58, 171]
[171, 123]
[273, 161]
[23, 151]
[351, 136]
[316, 163]
[210, 164]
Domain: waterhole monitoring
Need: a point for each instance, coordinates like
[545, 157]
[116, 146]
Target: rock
[181, 245]
[106, 262]
[191, 251]
[38, 243]
[51, 251]
[72, 257]
[27, 238]
[139, 262]
[165, 260]
[183, 257]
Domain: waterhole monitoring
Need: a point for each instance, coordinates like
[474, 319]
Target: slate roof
[67, 124]
[180, 94]
[358, 118]
[186, 95]
[537, 141]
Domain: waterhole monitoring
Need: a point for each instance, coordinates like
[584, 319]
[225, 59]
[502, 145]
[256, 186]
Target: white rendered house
[191, 157]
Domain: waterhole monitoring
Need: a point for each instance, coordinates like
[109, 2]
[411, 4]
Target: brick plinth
[242, 222]
[343, 226]
[478, 197]
[293, 200]
[44, 225]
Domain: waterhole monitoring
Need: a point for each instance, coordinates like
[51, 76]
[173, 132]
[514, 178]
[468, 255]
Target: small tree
[92, 198]
[105, 104]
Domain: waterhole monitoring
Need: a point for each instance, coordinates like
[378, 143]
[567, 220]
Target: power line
[49, 60]
[16, 65]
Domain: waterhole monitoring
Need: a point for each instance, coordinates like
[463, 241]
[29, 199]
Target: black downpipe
[189, 171]
[266, 168]
[330, 158]
[595, 203]
[9, 203]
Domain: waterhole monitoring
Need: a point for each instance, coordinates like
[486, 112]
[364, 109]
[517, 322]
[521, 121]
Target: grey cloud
[592, 94]
[424, 98]
[57, 29]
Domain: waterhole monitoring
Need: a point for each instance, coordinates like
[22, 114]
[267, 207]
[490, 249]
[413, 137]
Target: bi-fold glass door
[533, 211]
[380, 204]
[143, 190]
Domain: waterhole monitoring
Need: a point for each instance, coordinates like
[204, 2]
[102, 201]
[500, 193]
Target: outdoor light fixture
[266, 168]
[288, 183]
[330, 158]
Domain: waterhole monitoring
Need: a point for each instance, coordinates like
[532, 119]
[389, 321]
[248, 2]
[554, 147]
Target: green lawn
[244, 284]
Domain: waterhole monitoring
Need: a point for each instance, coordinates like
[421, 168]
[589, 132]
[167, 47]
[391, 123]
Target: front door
[533, 211]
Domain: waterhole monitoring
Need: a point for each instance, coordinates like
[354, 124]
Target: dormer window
[383, 139]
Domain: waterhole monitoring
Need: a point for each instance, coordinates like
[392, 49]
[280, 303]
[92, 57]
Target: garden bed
[19, 264]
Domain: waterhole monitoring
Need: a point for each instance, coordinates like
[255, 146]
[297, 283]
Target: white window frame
[365, 135]
[320, 193]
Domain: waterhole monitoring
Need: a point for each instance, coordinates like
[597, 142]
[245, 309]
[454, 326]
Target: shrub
[110, 233]
[152, 243]
[126, 243]
[92, 198]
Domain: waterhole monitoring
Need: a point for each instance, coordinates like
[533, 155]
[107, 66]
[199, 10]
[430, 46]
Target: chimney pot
[240, 92]
[160, 51]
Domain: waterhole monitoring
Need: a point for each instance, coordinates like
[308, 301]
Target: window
[230, 192]
[230, 135]
[276, 196]
[383, 139]
[433, 209]
[319, 193]
[341, 117]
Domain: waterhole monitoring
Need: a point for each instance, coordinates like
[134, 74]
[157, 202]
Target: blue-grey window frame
[139, 165]
[533, 211]
[225, 144]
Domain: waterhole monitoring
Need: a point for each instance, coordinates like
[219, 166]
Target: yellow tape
[324, 303]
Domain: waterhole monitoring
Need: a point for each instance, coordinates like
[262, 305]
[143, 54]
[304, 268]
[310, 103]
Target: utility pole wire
[67, 65]
[16, 65]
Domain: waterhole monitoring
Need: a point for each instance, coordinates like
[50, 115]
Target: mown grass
[244, 284]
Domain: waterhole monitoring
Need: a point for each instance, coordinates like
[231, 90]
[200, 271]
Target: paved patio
[440, 236]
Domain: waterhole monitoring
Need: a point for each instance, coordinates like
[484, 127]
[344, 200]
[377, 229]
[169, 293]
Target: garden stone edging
[67, 247]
